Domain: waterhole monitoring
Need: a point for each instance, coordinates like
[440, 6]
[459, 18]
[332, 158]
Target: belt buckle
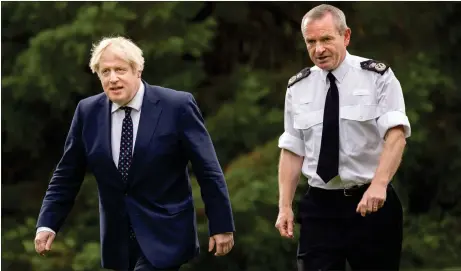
[345, 190]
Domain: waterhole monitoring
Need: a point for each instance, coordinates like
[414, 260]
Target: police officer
[345, 130]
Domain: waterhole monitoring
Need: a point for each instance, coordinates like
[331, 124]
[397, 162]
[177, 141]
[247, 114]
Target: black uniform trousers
[332, 232]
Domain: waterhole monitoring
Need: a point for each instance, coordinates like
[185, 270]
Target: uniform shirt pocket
[310, 125]
[359, 96]
[359, 123]
[360, 92]
[306, 119]
[361, 112]
[302, 104]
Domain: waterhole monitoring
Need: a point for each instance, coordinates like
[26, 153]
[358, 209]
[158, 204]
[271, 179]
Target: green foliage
[253, 187]
[76, 246]
[236, 58]
[429, 235]
[246, 117]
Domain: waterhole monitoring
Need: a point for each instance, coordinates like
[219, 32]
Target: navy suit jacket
[157, 198]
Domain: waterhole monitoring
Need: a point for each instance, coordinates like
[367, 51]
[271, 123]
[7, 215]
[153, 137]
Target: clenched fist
[285, 222]
[224, 243]
[373, 199]
[43, 241]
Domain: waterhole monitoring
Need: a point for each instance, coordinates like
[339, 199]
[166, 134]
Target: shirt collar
[135, 103]
[341, 71]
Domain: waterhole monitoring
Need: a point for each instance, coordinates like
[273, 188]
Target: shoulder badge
[375, 66]
[296, 78]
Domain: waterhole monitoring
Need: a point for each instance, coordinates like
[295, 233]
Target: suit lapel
[150, 114]
[105, 125]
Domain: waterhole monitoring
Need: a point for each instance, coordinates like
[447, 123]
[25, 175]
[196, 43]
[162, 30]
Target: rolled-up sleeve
[391, 105]
[291, 139]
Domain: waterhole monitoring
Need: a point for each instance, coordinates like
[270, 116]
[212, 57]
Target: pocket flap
[176, 208]
[360, 92]
[307, 120]
[359, 112]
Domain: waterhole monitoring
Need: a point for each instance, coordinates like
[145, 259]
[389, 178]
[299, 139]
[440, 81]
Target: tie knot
[127, 110]
[331, 77]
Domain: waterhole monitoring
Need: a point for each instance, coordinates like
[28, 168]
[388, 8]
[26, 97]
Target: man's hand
[224, 243]
[43, 241]
[373, 199]
[285, 222]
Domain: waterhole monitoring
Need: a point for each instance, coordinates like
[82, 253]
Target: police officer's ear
[347, 36]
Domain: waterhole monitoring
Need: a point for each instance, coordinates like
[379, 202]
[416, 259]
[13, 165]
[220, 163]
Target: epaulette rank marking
[296, 78]
[375, 66]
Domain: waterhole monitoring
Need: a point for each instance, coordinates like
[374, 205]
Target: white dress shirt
[370, 104]
[117, 120]
[117, 116]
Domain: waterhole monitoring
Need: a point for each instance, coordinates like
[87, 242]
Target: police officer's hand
[43, 241]
[285, 222]
[224, 243]
[373, 199]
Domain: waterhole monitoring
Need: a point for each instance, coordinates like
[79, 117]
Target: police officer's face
[118, 78]
[327, 48]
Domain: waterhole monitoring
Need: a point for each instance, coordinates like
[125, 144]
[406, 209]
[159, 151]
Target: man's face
[326, 47]
[118, 78]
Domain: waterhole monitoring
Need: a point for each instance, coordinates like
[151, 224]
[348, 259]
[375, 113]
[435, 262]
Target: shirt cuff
[291, 143]
[45, 229]
[393, 119]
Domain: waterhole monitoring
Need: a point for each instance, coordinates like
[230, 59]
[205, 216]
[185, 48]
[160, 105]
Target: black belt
[355, 190]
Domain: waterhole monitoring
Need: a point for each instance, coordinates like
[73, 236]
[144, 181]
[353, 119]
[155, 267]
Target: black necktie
[126, 144]
[327, 168]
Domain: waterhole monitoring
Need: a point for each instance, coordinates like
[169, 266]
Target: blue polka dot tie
[126, 144]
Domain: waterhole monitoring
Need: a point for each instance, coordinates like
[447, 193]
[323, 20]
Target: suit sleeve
[66, 180]
[200, 151]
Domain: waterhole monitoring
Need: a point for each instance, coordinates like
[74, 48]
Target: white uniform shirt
[117, 117]
[370, 104]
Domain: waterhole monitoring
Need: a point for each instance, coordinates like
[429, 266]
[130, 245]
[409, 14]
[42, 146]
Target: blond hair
[319, 11]
[122, 46]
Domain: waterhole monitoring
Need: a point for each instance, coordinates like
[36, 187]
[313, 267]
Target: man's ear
[347, 36]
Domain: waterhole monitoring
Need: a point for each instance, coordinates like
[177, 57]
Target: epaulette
[375, 66]
[296, 78]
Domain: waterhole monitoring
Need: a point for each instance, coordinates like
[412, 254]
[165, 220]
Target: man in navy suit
[137, 140]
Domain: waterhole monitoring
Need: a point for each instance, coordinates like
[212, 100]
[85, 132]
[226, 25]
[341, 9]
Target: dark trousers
[138, 261]
[332, 232]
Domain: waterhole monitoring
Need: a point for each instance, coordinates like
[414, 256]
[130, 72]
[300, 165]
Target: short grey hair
[319, 11]
[124, 47]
